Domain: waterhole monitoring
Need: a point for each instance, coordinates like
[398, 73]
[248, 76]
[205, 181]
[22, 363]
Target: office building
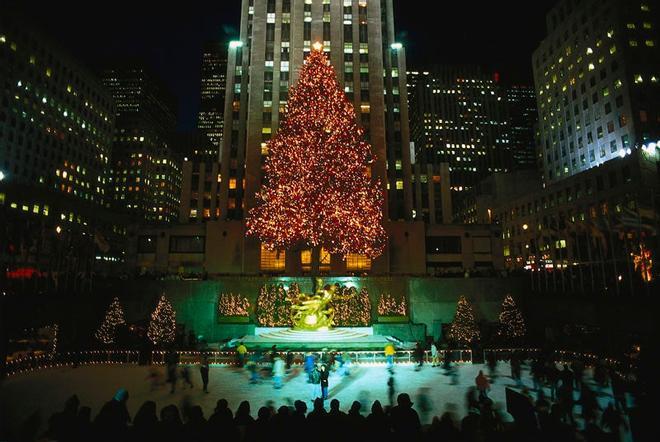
[596, 77]
[275, 37]
[56, 129]
[458, 118]
[210, 120]
[523, 115]
[146, 179]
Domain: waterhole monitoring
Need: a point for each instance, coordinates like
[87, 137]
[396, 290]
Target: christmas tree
[162, 327]
[512, 323]
[463, 328]
[114, 317]
[317, 187]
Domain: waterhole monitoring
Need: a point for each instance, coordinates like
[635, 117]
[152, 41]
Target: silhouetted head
[170, 414]
[264, 413]
[334, 404]
[71, 405]
[221, 405]
[403, 400]
[318, 404]
[300, 407]
[243, 408]
[85, 413]
[148, 408]
[376, 407]
[356, 406]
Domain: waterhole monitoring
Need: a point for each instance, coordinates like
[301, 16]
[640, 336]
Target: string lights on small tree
[464, 329]
[162, 327]
[114, 317]
[273, 305]
[352, 308]
[318, 189]
[512, 323]
[388, 305]
[233, 305]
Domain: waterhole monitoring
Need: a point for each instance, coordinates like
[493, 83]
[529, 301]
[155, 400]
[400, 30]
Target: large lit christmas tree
[463, 328]
[317, 187]
[512, 323]
[114, 317]
[162, 327]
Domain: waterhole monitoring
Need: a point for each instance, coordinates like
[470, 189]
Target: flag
[101, 242]
[643, 219]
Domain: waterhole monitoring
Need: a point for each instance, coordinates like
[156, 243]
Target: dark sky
[498, 35]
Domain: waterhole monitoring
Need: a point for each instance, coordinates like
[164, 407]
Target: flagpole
[579, 257]
[591, 266]
[616, 271]
[628, 263]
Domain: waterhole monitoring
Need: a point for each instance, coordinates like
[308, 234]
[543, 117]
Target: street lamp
[2, 175]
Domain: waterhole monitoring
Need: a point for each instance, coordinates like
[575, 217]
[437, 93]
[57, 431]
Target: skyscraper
[522, 115]
[275, 37]
[211, 110]
[56, 129]
[459, 118]
[596, 76]
[146, 179]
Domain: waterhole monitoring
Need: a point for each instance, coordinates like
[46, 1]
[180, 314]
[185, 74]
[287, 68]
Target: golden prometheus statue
[314, 312]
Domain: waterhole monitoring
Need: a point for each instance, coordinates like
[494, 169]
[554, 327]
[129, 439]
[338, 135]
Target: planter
[234, 319]
[393, 319]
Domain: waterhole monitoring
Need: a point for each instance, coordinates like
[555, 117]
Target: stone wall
[431, 300]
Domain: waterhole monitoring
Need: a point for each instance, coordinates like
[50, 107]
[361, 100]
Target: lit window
[272, 260]
[357, 263]
[649, 43]
[232, 183]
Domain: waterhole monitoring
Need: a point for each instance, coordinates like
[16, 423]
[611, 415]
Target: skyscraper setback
[210, 120]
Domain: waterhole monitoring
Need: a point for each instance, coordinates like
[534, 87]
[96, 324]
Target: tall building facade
[596, 77]
[146, 179]
[210, 119]
[56, 128]
[275, 37]
[523, 115]
[458, 118]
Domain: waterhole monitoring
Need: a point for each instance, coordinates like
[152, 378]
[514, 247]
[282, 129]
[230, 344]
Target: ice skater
[204, 371]
[324, 381]
[185, 376]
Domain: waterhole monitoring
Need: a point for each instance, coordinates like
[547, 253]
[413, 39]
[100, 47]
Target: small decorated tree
[352, 309]
[114, 317]
[388, 305]
[233, 305]
[463, 328]
[273, 307]
[162, 327]
[512, 323]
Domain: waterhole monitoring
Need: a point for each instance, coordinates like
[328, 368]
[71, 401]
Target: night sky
[498, 35]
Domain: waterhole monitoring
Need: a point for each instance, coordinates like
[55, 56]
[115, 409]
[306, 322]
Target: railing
[363, 357]
[228, 358]
[48, 360]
